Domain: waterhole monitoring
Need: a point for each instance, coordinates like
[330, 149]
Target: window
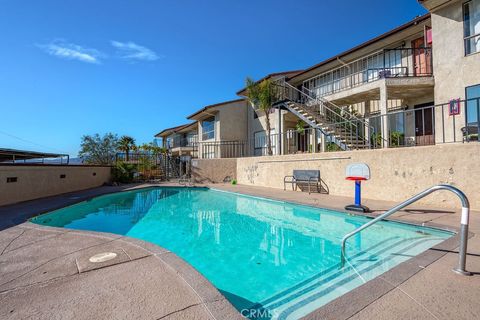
[260, 142]
[473, 104]
[208, 129]
[169, 142]
[471, 26]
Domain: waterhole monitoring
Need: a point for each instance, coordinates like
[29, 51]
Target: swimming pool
[278, 258]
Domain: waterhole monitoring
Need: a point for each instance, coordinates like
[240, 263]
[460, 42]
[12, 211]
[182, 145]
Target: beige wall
[44, 180]
[397, 174]
[230, 122]
[452, 69]
[232, 119]
[214, 170]
[259, 124]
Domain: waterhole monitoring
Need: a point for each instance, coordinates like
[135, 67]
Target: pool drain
[102, 257]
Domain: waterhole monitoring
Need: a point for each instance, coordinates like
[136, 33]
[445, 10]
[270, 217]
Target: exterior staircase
[340, 127]
[170, 166]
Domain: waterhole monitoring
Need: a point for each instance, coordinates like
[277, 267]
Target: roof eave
[192, 116]
[242, 92]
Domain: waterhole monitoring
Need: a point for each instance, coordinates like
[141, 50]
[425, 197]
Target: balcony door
[424, 134]
[421, 58]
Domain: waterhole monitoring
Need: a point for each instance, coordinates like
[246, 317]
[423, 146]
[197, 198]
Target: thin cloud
[132, 51]
[71, 51]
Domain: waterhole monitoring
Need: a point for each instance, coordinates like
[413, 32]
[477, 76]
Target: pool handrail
[463, 224]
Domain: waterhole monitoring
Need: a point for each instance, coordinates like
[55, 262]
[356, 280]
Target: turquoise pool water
[271, 259]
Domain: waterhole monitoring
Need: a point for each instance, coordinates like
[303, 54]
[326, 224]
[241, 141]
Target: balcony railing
[388, 63]
[456, 121]
[182, 142]
[453, 122]
[292, 141]
[221, 149]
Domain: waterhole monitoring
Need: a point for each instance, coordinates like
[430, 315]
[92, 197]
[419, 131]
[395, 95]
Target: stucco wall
[452, 69]
[230, 122]
[259, 124]
[37, 181]
[214, 170]
[397, 174]
[233, 121]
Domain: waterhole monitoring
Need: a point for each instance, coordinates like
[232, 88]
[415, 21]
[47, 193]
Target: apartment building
[456, 63]
[180, 140]
[415, 85]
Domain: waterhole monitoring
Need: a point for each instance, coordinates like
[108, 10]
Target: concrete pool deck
[45, 272]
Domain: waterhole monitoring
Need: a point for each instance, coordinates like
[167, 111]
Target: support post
[384, 114]
[279, 133]
[323, 142]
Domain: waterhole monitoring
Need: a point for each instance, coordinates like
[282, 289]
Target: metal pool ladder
[463, 226]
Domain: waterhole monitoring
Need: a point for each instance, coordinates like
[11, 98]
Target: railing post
[462, 250]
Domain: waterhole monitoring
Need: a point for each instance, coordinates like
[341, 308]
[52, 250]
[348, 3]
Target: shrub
[234, 181]
[123, 172]
[396, 139]
[332, 146]
[376, 140]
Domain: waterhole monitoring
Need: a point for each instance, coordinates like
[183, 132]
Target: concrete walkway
[423, 287]
[45, 273]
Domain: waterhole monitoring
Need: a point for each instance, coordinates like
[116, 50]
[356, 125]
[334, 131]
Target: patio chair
[303, 178]
[470, 132]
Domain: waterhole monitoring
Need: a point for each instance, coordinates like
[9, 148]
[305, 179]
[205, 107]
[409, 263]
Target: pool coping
[215, 303]
[219, 308]
[357, 299]
[342, 307]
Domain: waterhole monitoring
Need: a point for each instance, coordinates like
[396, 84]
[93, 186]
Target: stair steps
[333, 282]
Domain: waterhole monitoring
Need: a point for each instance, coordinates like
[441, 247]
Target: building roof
[432, 5]
[407, 25]
[172, 130]
[206, 108]
[271, 75]
[15, 154]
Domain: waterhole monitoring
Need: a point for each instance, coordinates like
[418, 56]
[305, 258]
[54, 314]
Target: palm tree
[126, 144]
[262, 96]
[146, 147]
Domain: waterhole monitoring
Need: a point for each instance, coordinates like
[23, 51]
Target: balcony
[387, 63]
[221, 149]
[182, 142]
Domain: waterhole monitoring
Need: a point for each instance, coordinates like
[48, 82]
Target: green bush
[123, 172]
[376, 140]
[234, 181]
[331, 147]
[397, 139]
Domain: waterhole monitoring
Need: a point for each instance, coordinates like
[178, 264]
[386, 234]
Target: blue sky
[69, 68]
